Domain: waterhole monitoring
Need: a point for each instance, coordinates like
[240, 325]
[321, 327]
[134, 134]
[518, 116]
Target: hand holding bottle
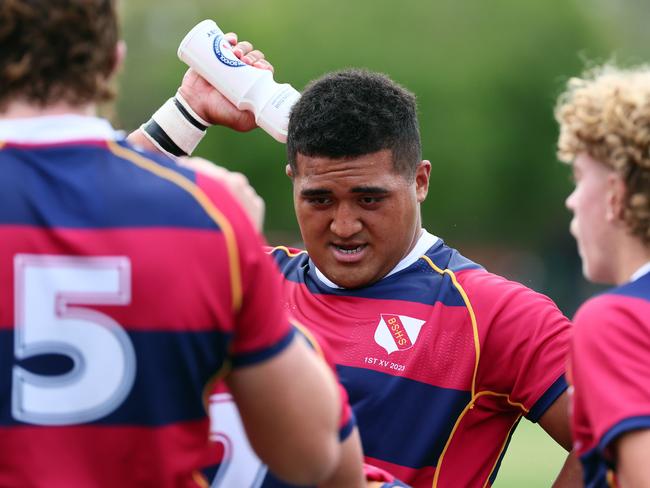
[221, 61]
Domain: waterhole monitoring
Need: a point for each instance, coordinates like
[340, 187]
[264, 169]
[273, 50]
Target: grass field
[532, 461]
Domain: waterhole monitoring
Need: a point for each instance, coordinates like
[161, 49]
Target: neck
[633, 254]
[21, 109]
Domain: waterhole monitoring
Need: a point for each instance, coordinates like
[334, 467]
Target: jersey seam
[477, 352]
[204, 202]
[503, 446]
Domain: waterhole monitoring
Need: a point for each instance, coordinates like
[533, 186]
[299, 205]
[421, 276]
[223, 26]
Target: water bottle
[208, 52]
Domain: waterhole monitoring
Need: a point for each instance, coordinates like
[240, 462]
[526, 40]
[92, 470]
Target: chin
[597, 274]
[351, 282]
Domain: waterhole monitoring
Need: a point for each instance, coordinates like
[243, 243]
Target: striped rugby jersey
[235, 463]
[610, 373]
[126, 285]
[440, 359]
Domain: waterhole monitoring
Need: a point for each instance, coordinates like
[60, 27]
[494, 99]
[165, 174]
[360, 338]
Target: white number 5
[46, 322]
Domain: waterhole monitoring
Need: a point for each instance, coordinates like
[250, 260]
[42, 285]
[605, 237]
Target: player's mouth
[348, 253]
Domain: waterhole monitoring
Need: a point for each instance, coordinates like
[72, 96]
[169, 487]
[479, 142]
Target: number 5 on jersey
[50, 318]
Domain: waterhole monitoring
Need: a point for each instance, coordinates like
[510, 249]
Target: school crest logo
[397, 332]
[223, 51]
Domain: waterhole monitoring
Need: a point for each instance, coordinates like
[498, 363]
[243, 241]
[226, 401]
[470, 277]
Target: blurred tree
[486, 75]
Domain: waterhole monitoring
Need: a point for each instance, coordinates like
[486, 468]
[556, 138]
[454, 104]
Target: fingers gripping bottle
[206, 50]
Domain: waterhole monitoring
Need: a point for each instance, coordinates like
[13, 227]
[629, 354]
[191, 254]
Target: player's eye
[319, 201]
[370, 201]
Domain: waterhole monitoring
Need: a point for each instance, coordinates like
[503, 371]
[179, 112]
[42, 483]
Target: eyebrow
[317, 192]
[368, 189]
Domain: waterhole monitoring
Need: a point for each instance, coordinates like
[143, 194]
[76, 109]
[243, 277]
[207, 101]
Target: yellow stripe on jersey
[611, 479]
[200, 480]
[503, 446]
[308, 336]
[467, 408]
[287, 251]
[474, 395]
[468, 305]
[203, 200]
[208, 388]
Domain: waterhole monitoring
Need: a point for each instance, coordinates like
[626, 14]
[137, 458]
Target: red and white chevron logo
[397, 332]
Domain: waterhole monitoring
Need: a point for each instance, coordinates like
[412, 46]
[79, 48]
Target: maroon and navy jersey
[440, 359]
[610, 373]
[127, 284]
[235, 463]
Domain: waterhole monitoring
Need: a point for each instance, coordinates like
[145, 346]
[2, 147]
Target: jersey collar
[641, 271]
[57, 129]
[425, 242]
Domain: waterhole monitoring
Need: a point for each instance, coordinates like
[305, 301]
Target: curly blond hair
[606, 114]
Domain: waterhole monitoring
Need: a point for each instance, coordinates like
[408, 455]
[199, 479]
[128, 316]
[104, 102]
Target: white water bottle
[206, 51]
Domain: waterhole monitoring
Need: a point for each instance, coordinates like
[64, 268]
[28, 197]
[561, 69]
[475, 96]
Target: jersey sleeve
[524, 341]
[261, 327]
[611, 367]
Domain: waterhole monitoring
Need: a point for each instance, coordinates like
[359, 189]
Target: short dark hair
[57, 50]
[354, 112]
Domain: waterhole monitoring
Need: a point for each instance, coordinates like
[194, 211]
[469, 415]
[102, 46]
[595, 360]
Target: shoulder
[195, 200]
[613, 317]
[493, 292]
[487, 293]
[445, 259]
[154, 164]
[156, 183]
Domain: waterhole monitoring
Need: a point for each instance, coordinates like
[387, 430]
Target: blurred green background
[486, 74]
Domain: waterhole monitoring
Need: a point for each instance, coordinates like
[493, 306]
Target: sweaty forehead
[378, 165]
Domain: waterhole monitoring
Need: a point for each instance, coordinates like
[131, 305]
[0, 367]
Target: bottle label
[223, 51]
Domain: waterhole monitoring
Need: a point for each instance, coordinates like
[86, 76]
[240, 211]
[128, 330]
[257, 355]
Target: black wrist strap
[188, 116]
[160, 136]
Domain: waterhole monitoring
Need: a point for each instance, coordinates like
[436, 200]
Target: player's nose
[345, 222]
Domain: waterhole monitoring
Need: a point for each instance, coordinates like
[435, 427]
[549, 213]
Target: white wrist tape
[191, 111]
[175, 128]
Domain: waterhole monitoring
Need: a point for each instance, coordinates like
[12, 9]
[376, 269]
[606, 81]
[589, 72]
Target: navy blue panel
[594, 463]
[401, 421]
[418, 283]
[271, 481]
[347, 429]
[547, 399]
[636, 289]
[172, 370]
[594, 470]
[84, 186]
[48, 364]
[255, 357]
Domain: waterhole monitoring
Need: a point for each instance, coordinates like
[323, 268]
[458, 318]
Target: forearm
[350, 469]
[571, 473]
[632, 466]
[555, 422]
[138, 139]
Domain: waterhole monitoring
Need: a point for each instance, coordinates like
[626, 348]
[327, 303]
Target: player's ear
[422, 174]
[288, 171]
[118, 56]
[616, 193]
